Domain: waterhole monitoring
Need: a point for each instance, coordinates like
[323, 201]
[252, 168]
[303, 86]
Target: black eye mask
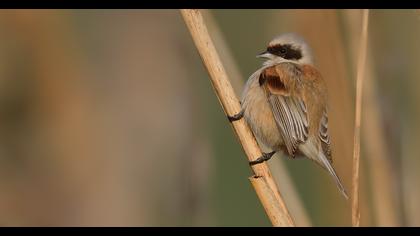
[286, 51]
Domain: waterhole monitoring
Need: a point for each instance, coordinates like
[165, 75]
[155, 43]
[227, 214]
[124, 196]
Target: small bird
[285, 104]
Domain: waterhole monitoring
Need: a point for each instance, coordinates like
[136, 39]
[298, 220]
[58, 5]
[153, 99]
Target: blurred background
[108, 118]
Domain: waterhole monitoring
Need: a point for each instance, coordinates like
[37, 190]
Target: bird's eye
[279, 50]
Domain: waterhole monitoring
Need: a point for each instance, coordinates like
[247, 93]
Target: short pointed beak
[264, 54]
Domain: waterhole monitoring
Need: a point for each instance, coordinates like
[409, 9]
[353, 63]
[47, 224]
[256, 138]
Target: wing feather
[324, 136]
[289, 111]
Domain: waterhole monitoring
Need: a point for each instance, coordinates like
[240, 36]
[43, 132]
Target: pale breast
[259, 116]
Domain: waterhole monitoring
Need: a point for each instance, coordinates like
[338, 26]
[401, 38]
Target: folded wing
[289, 111]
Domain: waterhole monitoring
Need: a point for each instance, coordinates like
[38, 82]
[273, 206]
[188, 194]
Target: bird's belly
[259, 116]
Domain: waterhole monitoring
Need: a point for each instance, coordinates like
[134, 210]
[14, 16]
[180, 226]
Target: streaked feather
[324, 136]
[289, 111]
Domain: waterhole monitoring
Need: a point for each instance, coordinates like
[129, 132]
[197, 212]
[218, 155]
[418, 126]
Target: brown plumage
[285, 103]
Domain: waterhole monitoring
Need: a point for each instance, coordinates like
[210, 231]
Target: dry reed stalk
[262, 180]
[382, 176]
[279, 171]
[355, 218]
[225, 52]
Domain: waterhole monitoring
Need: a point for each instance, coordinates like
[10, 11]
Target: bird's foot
[264, 157]
[236, 116]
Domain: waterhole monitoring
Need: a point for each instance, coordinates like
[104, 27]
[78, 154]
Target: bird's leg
[265, 157]
[236, 116]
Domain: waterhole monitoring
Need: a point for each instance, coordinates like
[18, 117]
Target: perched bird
[285, 104]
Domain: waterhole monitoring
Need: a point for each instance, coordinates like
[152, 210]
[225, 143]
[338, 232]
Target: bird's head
[287, 47]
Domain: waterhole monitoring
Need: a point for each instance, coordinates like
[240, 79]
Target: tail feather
[309, 150]
[331, 170]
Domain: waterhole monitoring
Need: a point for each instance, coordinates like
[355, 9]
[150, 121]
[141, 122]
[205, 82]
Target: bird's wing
[324, 136]
[289, 111]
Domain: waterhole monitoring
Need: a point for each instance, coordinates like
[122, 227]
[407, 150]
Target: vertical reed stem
[359, 87]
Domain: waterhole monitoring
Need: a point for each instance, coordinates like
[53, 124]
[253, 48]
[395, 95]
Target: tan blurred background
[108, 118]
